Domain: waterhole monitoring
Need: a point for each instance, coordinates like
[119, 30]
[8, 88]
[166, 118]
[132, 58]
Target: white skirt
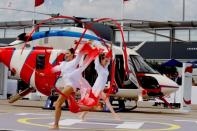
[71, 79]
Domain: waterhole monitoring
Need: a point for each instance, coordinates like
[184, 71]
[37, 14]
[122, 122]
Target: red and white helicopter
[36, 53]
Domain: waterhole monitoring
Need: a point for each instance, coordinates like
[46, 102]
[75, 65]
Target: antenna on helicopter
[54, 15]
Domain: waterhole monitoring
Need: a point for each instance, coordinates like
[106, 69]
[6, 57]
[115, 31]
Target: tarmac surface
[27, 115]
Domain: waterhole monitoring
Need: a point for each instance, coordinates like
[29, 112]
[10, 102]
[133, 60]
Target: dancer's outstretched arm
[57, 67]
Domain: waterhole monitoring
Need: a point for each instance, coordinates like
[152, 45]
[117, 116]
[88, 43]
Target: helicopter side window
[40, 61]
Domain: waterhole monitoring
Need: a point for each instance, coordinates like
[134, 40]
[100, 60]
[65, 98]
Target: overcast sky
[157, 10]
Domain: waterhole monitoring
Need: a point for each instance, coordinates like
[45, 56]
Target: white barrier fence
[3, 81]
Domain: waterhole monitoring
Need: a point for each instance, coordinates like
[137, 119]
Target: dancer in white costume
[69, 56]
[101, 66]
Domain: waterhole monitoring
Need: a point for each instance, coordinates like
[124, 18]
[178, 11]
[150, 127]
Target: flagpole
[36, 4]
[34, 17]
[183, 10]
[122, 17]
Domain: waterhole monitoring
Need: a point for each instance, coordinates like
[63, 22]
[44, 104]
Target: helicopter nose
[6, 55]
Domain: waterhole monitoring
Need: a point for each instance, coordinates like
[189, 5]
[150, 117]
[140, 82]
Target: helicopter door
[122, 81]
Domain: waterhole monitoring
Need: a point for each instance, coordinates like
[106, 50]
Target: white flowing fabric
[101, 79]
[85, 87]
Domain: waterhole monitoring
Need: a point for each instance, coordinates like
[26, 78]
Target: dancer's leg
[86, 110]
[83, 114]
[108, 104]
[58, 104]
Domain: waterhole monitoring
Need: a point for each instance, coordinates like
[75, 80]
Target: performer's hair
[101, 57]
[72, 50]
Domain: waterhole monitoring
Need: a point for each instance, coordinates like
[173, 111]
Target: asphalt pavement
[26, 115]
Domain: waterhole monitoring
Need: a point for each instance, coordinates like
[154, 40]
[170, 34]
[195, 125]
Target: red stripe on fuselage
[6, 55]
[29, 66]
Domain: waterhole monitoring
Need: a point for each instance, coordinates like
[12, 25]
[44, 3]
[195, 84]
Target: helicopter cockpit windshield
[140, 65]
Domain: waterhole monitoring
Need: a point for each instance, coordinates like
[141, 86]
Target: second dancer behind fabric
[101, 67]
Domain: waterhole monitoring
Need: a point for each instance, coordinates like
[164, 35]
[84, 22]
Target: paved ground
[28, 116]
